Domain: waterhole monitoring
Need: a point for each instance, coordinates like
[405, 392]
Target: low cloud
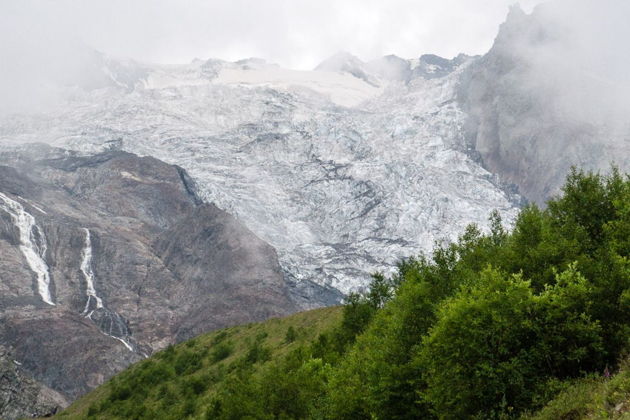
[578, 58]
[44, 42]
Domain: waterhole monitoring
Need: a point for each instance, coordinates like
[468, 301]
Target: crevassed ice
[32, 244]
[339, 191]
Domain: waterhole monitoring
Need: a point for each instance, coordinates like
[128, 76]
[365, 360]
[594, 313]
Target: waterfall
[88, 273]
[110, 323]
[32, 244]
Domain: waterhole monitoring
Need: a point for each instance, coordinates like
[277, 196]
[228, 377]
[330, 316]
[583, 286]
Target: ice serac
[32, 244]
[138, 261]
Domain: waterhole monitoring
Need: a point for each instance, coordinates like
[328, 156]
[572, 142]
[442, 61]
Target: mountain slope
[108, 258]
[548, 95]
[21, 396]
[199, 368]
[495, 325]
[605, 398]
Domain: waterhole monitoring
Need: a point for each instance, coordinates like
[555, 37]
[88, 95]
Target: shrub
[291, 335]
[257, 352]
[188, 362]
[496, 343]
[221, 351]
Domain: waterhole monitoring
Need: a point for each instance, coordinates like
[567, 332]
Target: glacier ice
[343, 177]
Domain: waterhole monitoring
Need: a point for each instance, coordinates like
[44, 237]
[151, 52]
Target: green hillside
[497, 325]
[591, 398]
[182, 380]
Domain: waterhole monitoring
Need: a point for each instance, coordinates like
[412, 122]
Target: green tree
[497, 343]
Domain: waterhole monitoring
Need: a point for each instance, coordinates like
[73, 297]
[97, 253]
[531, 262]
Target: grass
[593, 398]
[180, 381]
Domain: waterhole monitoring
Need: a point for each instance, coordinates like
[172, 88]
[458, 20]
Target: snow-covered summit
[391, 68]
[344, 62]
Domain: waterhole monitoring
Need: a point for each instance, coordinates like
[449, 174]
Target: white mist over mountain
[578, 55]
[43, 43]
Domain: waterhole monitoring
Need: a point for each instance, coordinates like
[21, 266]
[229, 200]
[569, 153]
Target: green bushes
[591, 397]
[291, 335]
[461, 339]
[120, 393]
[221, 351]
[156, 373]
[497, 343]
[257, 353]
[555, 306]
[188, 361]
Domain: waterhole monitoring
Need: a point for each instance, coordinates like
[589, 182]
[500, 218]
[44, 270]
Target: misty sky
[39, 39]
[294, 33]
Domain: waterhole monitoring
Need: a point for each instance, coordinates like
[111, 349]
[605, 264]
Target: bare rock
[134, 261]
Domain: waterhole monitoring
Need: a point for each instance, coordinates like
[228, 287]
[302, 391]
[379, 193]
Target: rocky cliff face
[108, 258]
[545, 98]
[21, 396]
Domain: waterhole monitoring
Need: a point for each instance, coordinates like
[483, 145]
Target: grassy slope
[596, 398]
[194, 370]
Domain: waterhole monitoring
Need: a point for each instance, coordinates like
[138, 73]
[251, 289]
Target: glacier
[344, 170]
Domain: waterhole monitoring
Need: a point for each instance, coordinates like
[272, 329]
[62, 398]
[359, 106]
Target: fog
[46, 45]
[576, 55]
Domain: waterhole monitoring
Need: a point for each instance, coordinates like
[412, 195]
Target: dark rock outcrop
[133, 259]
[21, 396]
[538, 102]
[431, 66]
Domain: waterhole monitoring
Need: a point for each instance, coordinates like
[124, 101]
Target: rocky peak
[541, 100]
[515, 13]
[431, 66]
